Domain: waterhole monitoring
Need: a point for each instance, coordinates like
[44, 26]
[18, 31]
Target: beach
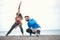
[41, 37]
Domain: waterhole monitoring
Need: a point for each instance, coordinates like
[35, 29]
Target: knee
[38, 31]
[26, 30]
[29, 30]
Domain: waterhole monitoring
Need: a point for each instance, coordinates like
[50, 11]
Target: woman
[18, 22]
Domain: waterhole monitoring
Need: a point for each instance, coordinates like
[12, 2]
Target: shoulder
[32, 20]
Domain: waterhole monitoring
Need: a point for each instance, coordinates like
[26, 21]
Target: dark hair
[20, 15]
[16, 13]
[26, 16]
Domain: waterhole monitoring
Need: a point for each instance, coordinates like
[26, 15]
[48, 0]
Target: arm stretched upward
[19, 7]
[19, 14]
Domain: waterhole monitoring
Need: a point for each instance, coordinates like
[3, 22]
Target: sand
[41, 37]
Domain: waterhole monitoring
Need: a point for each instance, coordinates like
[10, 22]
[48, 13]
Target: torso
[17, 19]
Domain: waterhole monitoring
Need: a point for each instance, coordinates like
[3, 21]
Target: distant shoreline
[43, 32]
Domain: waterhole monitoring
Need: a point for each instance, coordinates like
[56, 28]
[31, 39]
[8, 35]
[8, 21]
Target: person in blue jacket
[33, 26]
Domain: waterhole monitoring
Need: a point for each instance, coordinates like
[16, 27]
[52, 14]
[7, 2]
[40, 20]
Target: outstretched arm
[19, 7]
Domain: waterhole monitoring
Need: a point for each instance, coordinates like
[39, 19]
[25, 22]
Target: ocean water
[43, 32]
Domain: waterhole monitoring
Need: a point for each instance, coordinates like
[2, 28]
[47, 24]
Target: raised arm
[19, 7]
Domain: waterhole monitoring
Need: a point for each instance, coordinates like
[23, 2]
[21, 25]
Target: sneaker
[38, 35]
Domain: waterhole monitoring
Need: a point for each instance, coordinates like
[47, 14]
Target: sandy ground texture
[41, 37]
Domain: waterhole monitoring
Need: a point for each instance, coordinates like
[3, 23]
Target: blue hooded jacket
[33, 24]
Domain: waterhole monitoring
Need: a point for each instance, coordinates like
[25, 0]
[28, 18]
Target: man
[18, 22]
[33, 26]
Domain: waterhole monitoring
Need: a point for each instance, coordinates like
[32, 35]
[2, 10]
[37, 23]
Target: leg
[13, 26]
[21, 29]
[38, 33]
[29, 31]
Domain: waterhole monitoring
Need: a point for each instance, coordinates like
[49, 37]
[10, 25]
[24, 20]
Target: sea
[43, 32]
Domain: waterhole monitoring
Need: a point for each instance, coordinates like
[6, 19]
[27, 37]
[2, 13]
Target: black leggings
[13, 26]
[31, 32]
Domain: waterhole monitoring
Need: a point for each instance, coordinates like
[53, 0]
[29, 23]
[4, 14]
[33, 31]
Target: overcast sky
[45, 12]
